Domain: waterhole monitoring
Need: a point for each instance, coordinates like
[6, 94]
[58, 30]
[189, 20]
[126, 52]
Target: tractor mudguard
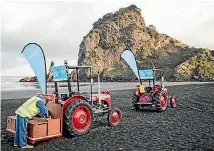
[166, 91]
[137, 92]
[77, 97]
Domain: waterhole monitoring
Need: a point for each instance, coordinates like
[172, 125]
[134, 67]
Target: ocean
[11, 88]
[11, 83]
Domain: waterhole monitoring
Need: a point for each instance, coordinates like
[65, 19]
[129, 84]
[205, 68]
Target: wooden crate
[11, 123]
[54, 126]
[37, 128]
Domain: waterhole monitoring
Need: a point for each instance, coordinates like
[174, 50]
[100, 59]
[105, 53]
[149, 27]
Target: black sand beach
[190, 126]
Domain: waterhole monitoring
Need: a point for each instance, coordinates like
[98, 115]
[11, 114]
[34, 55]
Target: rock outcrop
[34, 79]
[29, 79]
[50, 75]
[200, 66]
[125, 29]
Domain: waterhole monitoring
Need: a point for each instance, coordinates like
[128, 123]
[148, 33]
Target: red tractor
[155, 96]
[71, 113]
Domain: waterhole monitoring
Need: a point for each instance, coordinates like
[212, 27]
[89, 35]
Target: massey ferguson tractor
[154, 96]
[71, 113]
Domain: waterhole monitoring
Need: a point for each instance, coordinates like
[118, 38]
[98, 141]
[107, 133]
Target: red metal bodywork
[145, 98]
[104, 97]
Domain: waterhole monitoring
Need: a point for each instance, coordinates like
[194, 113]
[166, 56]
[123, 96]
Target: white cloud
[24, 70]
[20, 13]
[60, 26]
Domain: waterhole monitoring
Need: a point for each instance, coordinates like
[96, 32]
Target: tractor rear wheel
[162, 101]
[114, 117]
[173, 102]
[135, 99]
[78, 118]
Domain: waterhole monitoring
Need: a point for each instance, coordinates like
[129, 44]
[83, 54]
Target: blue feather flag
[129, 57]
[36, 58]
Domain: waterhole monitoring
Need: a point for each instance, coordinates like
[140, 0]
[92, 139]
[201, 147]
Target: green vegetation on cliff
[125, 29]
[201, 64]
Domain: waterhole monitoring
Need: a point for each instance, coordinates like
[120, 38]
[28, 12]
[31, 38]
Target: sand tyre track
[114, 117]
[78, 118]
[161, 98]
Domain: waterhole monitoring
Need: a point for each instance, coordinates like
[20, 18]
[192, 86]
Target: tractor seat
[157, 85]
[64, 96]
[148, 89]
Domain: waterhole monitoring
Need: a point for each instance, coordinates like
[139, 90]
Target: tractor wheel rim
[81, 118]
[173, 102]
[115, 117]
[162, 101]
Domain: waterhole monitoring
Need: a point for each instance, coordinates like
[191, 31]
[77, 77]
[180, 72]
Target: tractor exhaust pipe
[99, 89]
[162, 81]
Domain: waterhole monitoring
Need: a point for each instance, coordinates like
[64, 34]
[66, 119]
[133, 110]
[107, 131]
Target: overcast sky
[60, 26]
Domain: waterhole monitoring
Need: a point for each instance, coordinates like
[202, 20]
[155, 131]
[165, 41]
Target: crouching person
[36, 105]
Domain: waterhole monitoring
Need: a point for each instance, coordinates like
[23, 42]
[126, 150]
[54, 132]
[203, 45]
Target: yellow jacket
[29, 108]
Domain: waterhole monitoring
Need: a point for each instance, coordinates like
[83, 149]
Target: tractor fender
[166, 91]
[137, 91]
[71, 99]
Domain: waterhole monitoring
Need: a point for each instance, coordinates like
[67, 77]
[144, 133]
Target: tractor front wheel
[162, 101]
[114, 117]
[78, 118]
[173, 102]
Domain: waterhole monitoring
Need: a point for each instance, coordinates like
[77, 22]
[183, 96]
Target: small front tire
[173, 102]
[114, 117]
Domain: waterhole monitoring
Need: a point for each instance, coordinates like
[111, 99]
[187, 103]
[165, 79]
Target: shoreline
[19, 94]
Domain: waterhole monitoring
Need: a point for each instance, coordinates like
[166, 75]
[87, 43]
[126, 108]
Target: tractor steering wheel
[86, 96]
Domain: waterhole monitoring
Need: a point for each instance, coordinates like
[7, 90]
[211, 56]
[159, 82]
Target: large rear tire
[78, 118]
[135, 99]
